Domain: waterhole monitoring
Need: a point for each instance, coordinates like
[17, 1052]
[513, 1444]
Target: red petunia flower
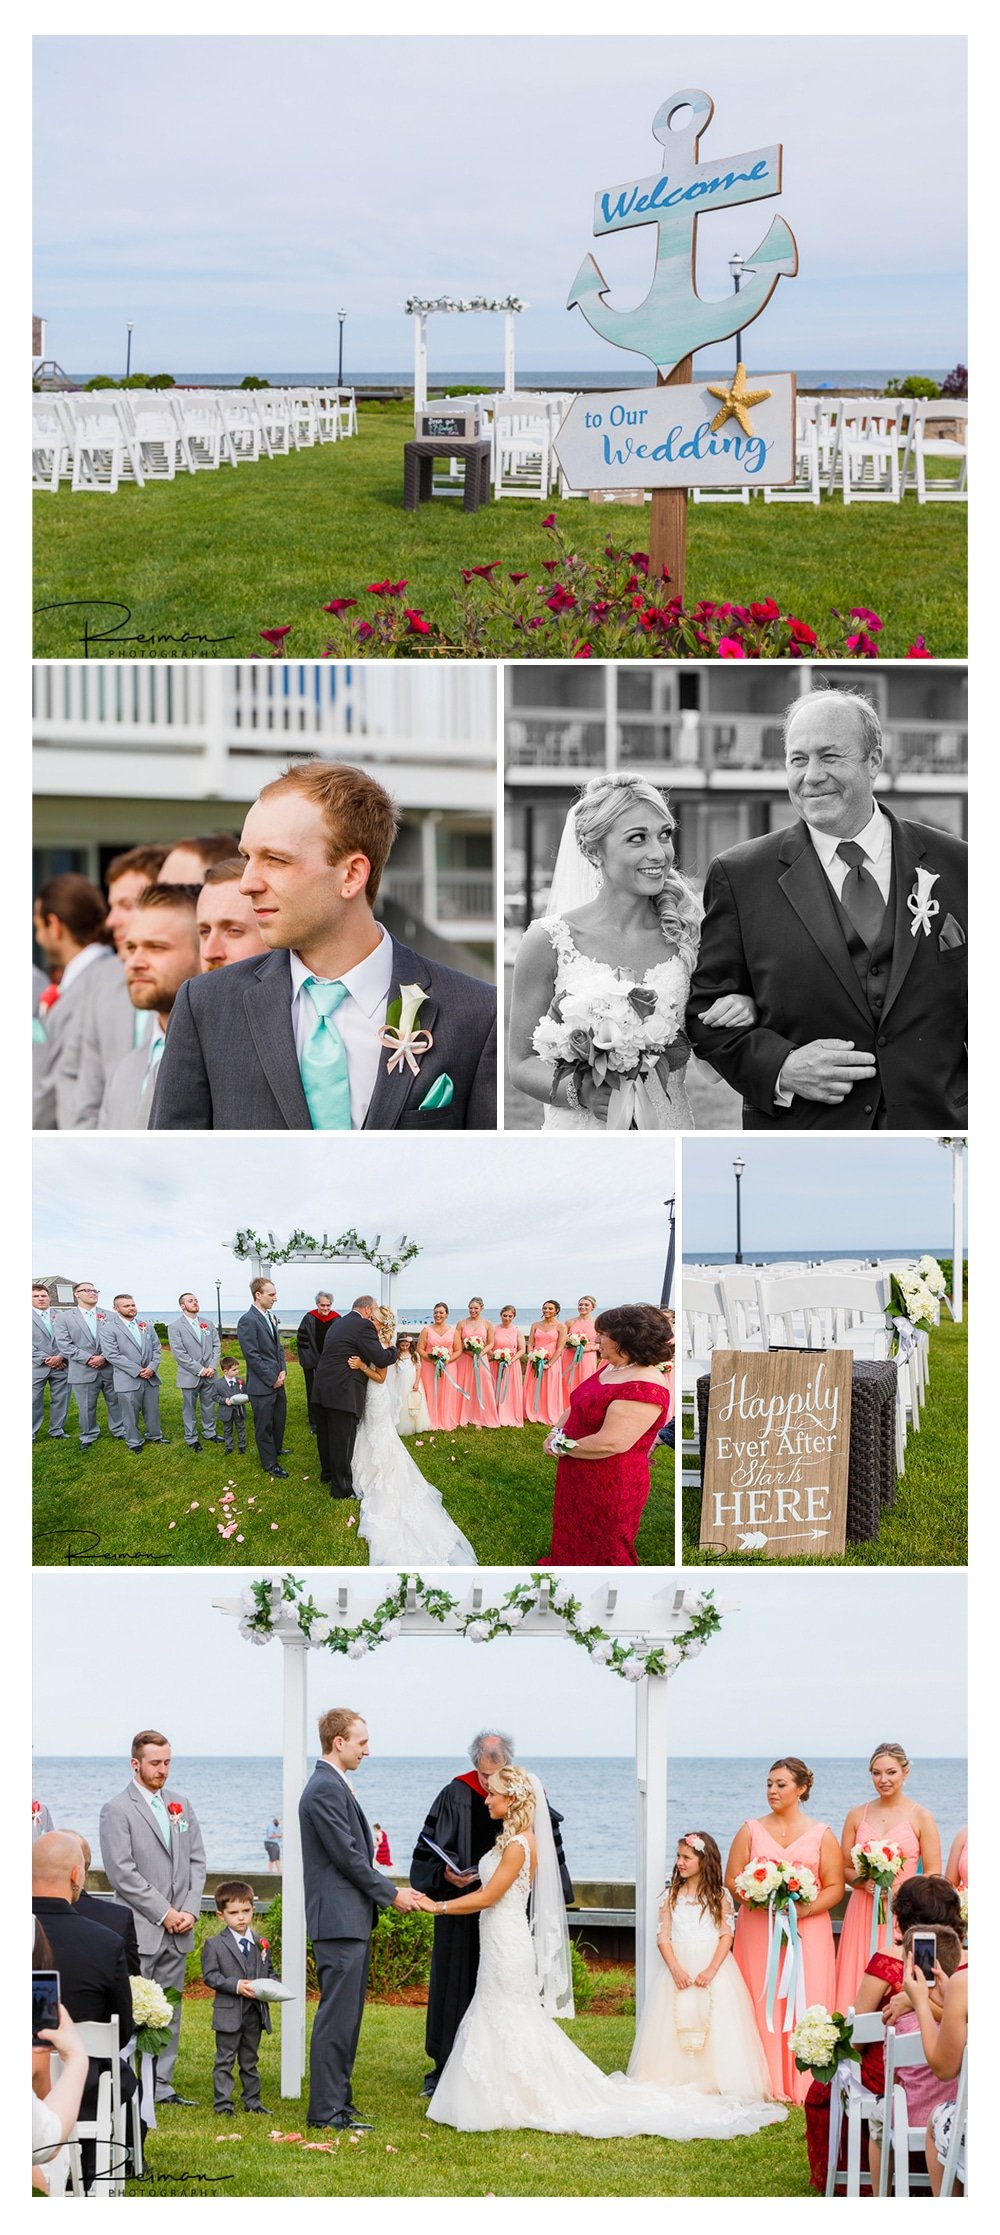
[800, 631]
[550, 565]
[386, 589]
[365, 629]
[549, 520]
[918, 650]
[517, 578]
[277, 636]
[339, 605]
[582, 652]
[418, 626]
[730, 648]
[767, 609]
[561, 600]
[483, 572]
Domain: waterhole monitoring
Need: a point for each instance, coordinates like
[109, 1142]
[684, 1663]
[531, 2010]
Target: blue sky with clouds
[817, 1193]
[228, 195]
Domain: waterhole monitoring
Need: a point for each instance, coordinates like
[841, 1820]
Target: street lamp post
[218, 1307]
[341, 315]
[739, 1168]
[128, 351]
[958, 1144]
[668, 1270]
[737, 268]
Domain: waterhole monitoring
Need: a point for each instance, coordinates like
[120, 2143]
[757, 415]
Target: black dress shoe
[194, 1447]
[136, 1449]
[430, 2083]
[340, 2123]
[278, 1474]
[223, 2111]
[258, 2110]
[181, 2102]
[356, 2118]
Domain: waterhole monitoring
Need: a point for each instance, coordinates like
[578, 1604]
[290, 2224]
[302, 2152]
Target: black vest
[872, 964]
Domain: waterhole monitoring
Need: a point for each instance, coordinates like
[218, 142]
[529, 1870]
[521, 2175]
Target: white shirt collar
[80, 962]
[249, 1934]
[151, 1799]
[327, 1764]
[871, 839]
[368, 983]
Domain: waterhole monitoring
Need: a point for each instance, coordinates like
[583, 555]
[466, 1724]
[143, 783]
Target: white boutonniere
[920, 904]
[405, 1042]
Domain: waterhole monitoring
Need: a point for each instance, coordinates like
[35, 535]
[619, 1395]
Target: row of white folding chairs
[116, 2125]
[852, 2107]
[97, 439]
[878, 447]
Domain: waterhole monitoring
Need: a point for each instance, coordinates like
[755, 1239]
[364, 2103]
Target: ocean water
[410, 1315]
[233, 1797]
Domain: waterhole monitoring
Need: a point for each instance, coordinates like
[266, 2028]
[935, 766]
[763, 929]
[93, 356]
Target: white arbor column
[509, 383]
[958, 1225]
[216, 683]
[428, 868]
[293, 1912]
[420, 361]
[650, 1824]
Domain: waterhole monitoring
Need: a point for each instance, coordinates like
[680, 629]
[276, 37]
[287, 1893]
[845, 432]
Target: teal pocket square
[440, 1094]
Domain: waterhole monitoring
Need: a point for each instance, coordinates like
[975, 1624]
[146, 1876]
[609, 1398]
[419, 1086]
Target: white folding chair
[938, 488]
[900, 2140]
[955, 2166]
[201, 430]
[102, 445]
[241, 430]
[51, 443]
[159, 443]
[704, 1328]
[522, 447]
[869, 452]
[722, 496]
[739, 1293]
[107, 2128]
[805, 489]
[347, 412]
[852, 2104]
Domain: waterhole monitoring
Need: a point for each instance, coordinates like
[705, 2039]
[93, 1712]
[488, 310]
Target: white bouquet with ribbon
[152, 2014]
[822, 2040]
[932, 1276]
[781, 1888]
[878, 1863]
[629, 1039]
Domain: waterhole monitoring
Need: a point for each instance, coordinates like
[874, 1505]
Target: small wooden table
[418, 469]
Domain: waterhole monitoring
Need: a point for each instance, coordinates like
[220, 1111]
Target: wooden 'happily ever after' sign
[777, 1452]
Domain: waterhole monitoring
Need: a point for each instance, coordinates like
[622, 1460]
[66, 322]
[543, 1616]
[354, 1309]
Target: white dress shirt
[875, 841]
[358, 1020]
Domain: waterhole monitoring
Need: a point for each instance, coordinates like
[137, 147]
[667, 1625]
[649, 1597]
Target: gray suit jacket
[44, 1345]
[109, 1034]
[230, 1057]
[222, 1967]
[343, 1891]
[126, 1356]
[194, 1347]
[57, 1079]
[141, 1871]
[128, 1095]
[77, 1343]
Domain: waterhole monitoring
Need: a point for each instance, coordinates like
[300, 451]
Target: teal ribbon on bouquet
[538, 1366]
[784, 1979]
[579, 1345]
[476, 1357]
[441, 1367]
[877, 1917]
[503, 1375]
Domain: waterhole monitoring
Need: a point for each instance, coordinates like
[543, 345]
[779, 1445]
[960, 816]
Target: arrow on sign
[756, 1542]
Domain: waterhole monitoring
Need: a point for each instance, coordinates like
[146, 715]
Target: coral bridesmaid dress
[855, 1949]
[479, 1404]
[599, 1503]
[441, 1385]
[816, 1935]
[543, 1389]
[578, 1368]
[508, 1381]
[963, 1870]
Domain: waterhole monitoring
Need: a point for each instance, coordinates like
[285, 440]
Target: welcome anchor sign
[698, 436]
[777, 1452]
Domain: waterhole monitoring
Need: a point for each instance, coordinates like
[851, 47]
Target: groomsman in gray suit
[48, 1366]
[259, 1340]
[132, 1347]
[111, 1026]
[195, 1345]
[159, 950]
[79, 1334]
[69, 924]
[154, 1856]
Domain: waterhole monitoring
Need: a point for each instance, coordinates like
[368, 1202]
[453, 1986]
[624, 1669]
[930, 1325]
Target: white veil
[549, 1929]
[574, 878]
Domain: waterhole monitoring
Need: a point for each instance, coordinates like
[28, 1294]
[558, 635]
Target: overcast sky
[783, 1671]
[229, 195]
[529, 1217]
[822, 1192]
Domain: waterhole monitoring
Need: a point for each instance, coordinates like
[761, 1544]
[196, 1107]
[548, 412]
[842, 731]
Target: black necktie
[245, 1947]
[860, 895]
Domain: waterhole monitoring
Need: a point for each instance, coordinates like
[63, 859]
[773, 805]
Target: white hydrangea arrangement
[821, 2041]
[152, 2011]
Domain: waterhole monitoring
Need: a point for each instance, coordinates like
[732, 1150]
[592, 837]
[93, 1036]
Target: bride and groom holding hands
[825, 978]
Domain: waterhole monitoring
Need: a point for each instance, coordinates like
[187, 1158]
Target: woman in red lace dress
[613, 1419]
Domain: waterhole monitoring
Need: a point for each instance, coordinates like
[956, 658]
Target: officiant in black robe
[459, 1822]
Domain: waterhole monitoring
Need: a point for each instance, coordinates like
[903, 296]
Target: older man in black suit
[101, 1910]
[338, 1028]
[848, 931]
[90, 1958]
[340, 1391]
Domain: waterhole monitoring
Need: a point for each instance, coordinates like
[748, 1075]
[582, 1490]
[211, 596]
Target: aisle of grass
[206, 562]
[105, 1505]
[928, 1525]
[193, 2154]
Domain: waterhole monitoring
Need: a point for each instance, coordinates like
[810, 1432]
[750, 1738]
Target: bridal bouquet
[152, 2012]
[765, 1884]
[626, 1038]
[821, 2041]
[779, 1887]
[475, 1343]
[878, 1863]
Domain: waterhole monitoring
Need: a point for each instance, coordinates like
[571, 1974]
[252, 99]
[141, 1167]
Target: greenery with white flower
[350, 1244]
[821, 2041]
[152, 2012]
[420, 305]
[265, 1602]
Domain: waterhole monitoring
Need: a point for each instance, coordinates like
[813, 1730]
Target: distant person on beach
[273, 1836]
[382, 1855]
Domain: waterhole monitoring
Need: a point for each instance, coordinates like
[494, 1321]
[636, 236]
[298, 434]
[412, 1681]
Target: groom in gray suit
[47, 1366]
[79, 1335]
[296, 1040]
[343, 1897]
[132, 1349]
[196, 1346]
[154, 1856]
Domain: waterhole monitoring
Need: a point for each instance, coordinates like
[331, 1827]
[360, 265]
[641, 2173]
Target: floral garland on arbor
[349, 1244]
[629, 1658]
[419, 305]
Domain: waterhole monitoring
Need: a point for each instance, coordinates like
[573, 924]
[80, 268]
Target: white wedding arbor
[658, 1618]
[263, 1252]
[420, 308]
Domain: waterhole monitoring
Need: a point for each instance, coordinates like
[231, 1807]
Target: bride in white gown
[403, 1518]
[511, 2066]
[609, 970]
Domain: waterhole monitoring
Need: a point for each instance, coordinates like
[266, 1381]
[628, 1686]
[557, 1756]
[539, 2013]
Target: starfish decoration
[736, 401]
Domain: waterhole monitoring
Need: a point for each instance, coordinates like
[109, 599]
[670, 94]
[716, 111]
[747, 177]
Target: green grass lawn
[223, 555]
[191, 2151]
[928, 1525]
[105, 1505]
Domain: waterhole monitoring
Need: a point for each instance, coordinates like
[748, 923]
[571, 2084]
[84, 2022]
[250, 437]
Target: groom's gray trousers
[342, 1971]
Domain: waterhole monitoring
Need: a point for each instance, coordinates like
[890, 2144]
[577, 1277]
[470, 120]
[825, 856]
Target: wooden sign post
[777, 1452]
[673, 321]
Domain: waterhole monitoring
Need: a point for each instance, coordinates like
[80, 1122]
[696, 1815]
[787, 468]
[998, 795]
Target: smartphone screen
[44, 2003]
[925, 1953]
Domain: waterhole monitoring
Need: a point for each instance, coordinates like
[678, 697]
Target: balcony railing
[719, 744]
[458, 895]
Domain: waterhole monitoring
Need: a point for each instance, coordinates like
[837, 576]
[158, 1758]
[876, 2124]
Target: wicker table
[871, 1479]
[418, 469]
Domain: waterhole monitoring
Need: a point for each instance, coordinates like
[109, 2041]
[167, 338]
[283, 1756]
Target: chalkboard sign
[440, 426]
[777, 1452]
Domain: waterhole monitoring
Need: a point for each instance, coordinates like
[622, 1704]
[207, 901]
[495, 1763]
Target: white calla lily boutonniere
[920, 903]
[406, 1042]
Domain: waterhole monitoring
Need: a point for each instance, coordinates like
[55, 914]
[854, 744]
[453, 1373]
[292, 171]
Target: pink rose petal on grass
[350, 1521]
[274, 1526]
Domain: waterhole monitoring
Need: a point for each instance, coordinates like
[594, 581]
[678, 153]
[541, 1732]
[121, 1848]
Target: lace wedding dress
[511, 2066]
[403, 1518]
[589, 993]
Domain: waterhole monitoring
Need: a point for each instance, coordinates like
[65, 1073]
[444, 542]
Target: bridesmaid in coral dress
[581, 1356]
[787, 1834]
[471, 1368]
[543, 1390]
[435, 1345]
[508, 1350]
[957, 1868]
[891, 1816]
[614, 1419]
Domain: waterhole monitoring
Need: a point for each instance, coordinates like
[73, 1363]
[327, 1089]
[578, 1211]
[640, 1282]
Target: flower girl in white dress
[698, 2025]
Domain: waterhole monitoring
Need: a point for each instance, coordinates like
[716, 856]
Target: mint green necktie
[156, 1047]
[134, 1332]
[162, 1819]
[323, 1063]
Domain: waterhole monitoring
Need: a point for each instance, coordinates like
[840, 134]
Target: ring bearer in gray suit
[344, 1894]
[231, 1401]
[337, 1027]
[230, 1962]
[259, 1340]
[48, 1368]
[154, 1856]
[196, 1346]
[79, 1334]
[132, 1348]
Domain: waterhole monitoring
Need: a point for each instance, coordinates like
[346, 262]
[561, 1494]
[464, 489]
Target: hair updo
[803, 1776]
[600, 806]
[514, 1783]
[385, 1322]
[642, 1331]
[895, 1753]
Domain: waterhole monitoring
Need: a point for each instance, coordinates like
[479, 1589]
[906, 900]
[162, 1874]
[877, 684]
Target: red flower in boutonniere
[263, 1945]
[203, 1324]
[142, 1324]
[36, 1808]
[175, 1808]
